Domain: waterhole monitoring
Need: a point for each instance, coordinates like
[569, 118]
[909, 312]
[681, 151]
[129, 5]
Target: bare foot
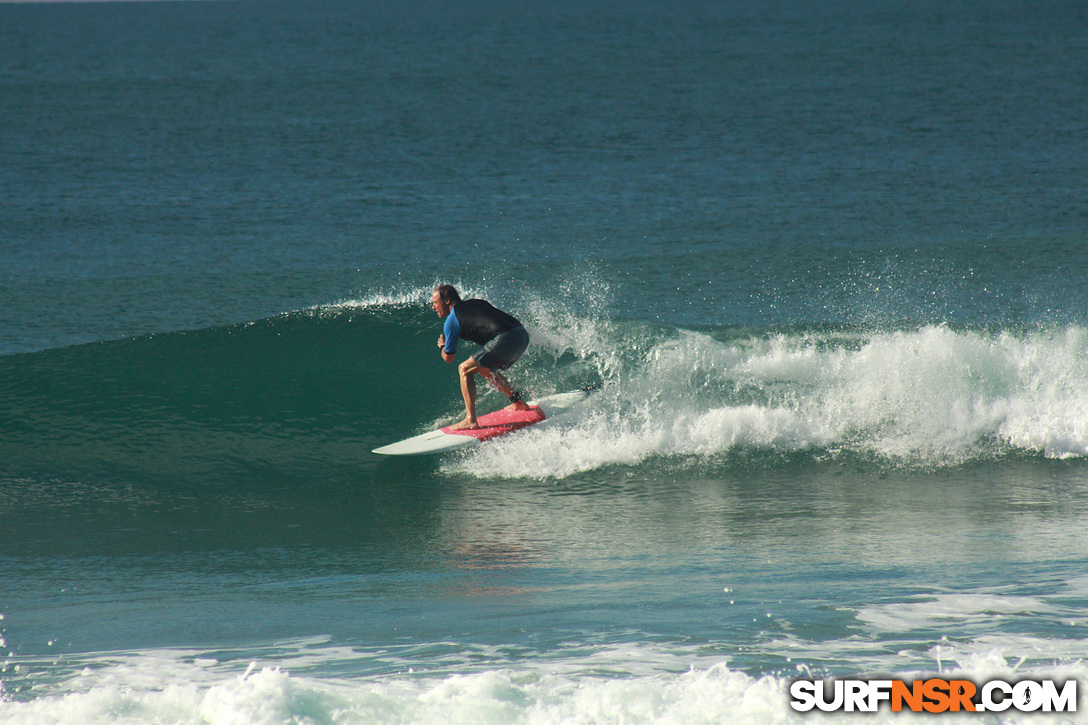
[465, 424]
[520, 405]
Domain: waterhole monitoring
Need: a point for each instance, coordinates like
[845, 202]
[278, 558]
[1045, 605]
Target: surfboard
[492, 425]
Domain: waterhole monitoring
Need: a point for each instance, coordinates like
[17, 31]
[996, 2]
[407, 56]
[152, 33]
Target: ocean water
[824, 262]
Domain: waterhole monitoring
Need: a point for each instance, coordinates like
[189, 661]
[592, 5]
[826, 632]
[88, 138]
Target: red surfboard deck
[494, 424]
[500, 423]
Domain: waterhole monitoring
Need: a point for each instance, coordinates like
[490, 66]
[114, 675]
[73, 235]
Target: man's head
[444, 298]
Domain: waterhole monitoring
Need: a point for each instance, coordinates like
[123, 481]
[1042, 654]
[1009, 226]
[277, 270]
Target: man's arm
[451, 334]
[447, 356]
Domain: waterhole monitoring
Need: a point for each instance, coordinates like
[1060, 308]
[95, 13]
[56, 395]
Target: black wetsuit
[478, 321]
[481, 322]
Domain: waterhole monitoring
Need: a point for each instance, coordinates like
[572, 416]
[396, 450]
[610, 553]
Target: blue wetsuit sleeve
[452, 331]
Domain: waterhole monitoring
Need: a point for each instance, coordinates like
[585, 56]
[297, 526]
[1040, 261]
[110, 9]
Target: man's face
[439, 306]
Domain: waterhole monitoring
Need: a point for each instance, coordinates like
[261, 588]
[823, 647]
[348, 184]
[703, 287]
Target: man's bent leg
[503, 386]
[508, 347]
[468, 370]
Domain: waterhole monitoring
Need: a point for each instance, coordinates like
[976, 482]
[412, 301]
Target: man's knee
[469, 367]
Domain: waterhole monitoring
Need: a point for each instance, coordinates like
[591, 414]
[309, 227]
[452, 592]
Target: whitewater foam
[121, 688]
[931, 397]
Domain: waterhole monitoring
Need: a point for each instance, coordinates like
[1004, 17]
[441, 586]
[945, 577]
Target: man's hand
[447, 356]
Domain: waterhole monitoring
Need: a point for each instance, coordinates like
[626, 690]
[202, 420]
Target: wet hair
[448, 294]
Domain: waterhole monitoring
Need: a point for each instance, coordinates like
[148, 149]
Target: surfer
[502, 335]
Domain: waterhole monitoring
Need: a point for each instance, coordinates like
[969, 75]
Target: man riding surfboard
[502, 335]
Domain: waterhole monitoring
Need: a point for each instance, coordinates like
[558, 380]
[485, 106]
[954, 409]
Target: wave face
[325, 385]
[321, 385]
[286, 390]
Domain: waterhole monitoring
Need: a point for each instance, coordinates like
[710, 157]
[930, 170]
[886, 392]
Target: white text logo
[934, 695]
